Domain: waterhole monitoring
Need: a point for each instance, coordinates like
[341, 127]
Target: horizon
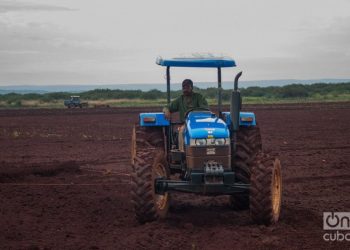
[41, 89]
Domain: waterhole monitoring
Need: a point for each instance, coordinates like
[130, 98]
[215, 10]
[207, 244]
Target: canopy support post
[219, 92]
[168, 84]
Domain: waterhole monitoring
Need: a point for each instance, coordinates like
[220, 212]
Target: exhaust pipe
[235, 104]
[236, 80]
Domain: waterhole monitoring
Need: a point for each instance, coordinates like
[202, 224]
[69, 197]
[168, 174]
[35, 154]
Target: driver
[187, 101]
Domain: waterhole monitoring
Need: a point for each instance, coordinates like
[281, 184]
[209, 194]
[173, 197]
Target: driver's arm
[171, 108]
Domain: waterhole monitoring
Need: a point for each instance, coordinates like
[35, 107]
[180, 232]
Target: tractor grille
[198, 157]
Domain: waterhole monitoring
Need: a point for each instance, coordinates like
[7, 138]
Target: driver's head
[187, 87]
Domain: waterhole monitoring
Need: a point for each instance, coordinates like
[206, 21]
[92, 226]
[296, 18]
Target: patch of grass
[32, 104]
[128, 102]
[16, 134]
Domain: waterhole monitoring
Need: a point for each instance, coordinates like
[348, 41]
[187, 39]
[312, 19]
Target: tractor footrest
[177, 155]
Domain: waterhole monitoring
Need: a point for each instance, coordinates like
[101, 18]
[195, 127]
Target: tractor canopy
[198, 62]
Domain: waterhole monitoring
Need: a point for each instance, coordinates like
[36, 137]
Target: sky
[47, 42]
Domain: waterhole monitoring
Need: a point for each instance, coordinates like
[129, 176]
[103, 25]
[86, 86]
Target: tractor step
[177, 155]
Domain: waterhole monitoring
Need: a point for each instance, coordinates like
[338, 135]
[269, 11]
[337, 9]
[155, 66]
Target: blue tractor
[223, 156]
[75, 102]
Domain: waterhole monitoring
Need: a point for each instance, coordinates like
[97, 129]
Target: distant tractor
[75, 102]
[223, 156]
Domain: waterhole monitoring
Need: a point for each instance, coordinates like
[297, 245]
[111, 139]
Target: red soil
[65, 181]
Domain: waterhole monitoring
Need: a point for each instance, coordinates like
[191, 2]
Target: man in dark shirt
[187, 101]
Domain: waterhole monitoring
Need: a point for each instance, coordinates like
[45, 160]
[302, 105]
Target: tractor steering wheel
[192, 109]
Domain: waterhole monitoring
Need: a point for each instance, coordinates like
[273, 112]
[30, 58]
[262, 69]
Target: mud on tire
[148, 163]
[248, 145]
[265, 190]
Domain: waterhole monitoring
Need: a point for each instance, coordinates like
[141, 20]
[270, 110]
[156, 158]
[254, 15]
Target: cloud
[316, 51]
[38, 53]
[10, 6]
[111, 41]
[331, 38]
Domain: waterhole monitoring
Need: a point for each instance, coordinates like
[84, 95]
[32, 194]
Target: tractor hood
[204, 124]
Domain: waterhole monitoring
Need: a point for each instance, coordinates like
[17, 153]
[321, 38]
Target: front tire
[149, 163]
[266, 190]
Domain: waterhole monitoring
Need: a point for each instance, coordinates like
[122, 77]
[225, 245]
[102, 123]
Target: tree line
[273, 92]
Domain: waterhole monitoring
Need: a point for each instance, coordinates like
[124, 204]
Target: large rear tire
[248, 145]
[149, 163]
[266, 190]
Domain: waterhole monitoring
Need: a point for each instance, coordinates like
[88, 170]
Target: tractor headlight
[220, 141]
[210, 142]
[201, 142]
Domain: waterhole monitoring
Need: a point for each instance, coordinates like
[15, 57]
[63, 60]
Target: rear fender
[246, 119]
[153, 120]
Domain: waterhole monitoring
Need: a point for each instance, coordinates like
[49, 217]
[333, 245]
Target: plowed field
[65, 183]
